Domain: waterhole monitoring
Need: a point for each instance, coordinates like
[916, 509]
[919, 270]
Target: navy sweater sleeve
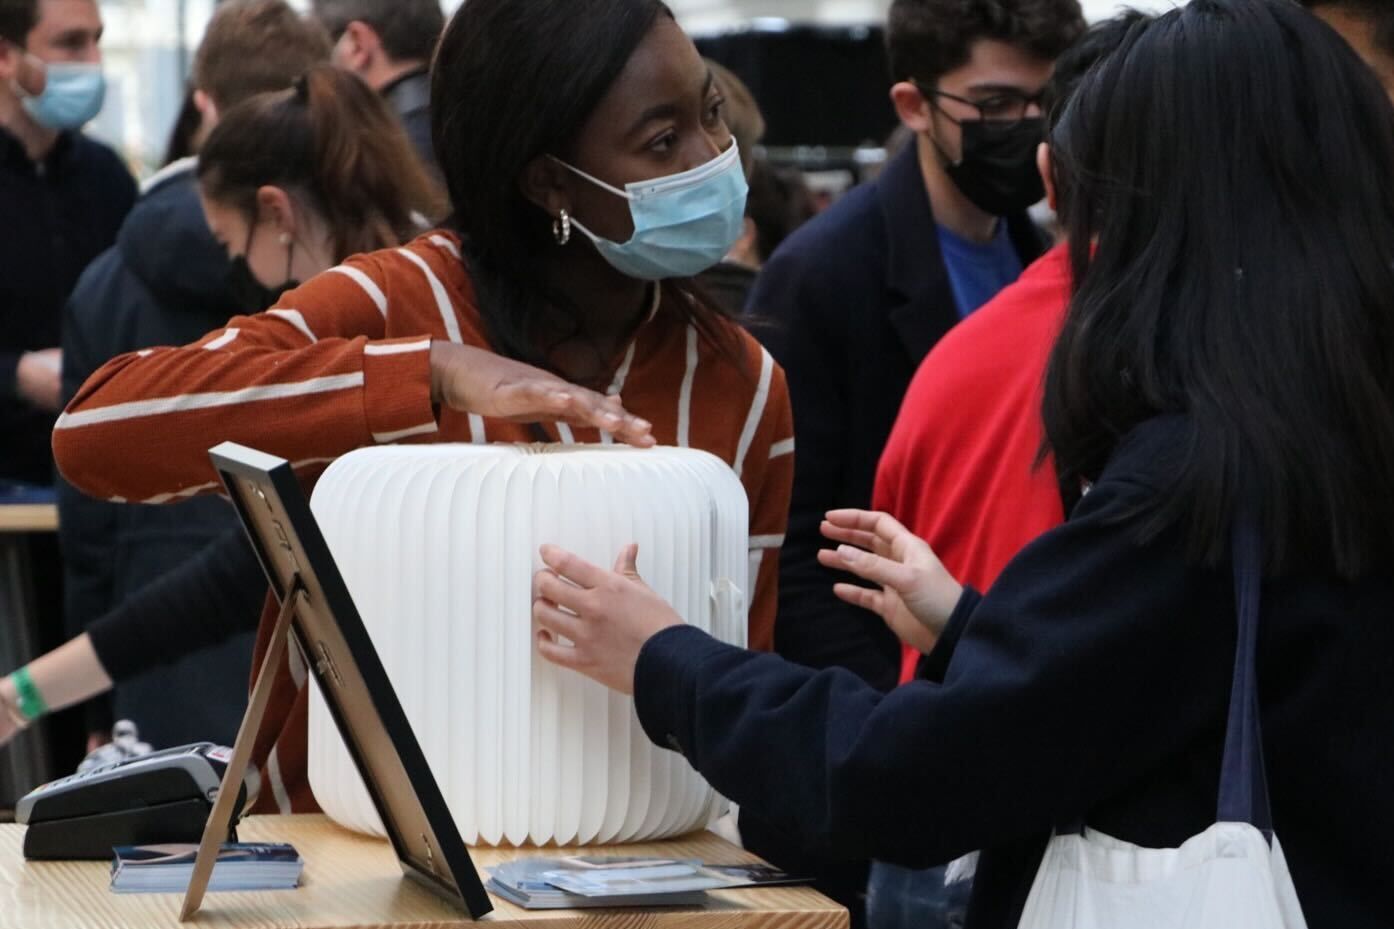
[1093, 657]
[210, 598]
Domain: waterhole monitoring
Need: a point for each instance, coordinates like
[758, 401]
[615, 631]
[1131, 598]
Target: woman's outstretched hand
[473, 380]
[917, 593]
[607, 616]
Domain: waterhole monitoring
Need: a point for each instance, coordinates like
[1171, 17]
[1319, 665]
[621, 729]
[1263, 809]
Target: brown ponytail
[333, 141]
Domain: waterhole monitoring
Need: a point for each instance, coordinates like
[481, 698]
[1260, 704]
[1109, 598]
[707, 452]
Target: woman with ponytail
[293, 182]
[296, 181]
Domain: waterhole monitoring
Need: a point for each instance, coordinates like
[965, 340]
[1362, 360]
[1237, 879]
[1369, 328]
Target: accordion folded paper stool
[438, 545]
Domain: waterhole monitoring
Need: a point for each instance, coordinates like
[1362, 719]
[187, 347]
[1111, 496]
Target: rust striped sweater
[343, 362]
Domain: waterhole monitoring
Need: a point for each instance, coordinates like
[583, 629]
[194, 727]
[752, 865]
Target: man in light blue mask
[63, 197]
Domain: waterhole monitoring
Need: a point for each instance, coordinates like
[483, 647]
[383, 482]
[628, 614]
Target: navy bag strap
[1243, 781]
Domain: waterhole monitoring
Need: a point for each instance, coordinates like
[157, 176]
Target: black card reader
[161, 797]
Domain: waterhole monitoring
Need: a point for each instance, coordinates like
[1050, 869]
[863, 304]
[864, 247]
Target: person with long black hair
[1225, 360]
[593, 175]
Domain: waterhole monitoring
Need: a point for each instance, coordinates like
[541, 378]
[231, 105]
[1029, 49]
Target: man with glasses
[852, 303]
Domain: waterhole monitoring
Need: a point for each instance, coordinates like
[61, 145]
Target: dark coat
[163, 283]
[1091, 685]
[849, 305]
[410, 98]
[57, 216]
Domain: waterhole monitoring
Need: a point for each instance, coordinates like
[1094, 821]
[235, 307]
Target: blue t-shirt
[977, 271]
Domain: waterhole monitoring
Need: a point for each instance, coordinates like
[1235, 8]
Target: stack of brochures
[603, 880]
[139, 869]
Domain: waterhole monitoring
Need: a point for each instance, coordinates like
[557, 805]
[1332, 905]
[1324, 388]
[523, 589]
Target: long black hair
[1230, 171]
[512, 80]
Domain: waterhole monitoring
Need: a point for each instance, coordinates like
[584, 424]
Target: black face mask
[249, 294]
[998, 169]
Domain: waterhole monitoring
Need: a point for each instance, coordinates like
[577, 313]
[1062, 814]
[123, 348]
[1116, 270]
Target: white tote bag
[1231, 876]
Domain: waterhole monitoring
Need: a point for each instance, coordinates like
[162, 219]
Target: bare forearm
[67, 675]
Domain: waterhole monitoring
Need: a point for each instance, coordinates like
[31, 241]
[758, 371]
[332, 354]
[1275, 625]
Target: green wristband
[31, 702]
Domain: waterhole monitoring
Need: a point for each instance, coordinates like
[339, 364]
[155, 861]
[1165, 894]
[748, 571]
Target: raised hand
[917, 593]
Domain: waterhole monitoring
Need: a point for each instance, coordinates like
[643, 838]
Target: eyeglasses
[1006, 108]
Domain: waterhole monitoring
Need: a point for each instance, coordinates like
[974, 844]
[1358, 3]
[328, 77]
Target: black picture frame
[335, 645]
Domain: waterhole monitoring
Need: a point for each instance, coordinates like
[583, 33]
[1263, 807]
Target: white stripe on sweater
[622, 372]
[136, 409]
[477, 429]
[685, 394]
[182, 494]
[447, 309]
[296, 662]
[383, 438]
[296, 319]
[397, 348]
[441, 241]
[766, 541]
[780, 449]
[370, 286]
[757, 410]
[223, 340]
[278, 784]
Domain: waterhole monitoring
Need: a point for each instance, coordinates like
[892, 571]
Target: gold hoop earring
[561, 228]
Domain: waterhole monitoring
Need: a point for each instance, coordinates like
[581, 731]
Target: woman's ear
[546, 184]
[275, 208]
[1044, 165]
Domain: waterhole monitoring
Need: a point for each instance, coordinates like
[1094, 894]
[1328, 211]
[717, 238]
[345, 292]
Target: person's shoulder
[825, 264]
[433, 256]
[91, 303]
[431, 274]
[1151, 453]
[727, 345]
[98, 157]
[1030, 308]
[839, 230]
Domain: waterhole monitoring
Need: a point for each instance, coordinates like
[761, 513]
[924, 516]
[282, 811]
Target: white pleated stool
[438, 545]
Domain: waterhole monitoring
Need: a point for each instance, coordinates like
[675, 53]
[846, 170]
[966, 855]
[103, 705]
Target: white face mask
[683, 223]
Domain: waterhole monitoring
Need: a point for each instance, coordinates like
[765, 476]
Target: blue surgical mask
[73, 95]
[683, 223]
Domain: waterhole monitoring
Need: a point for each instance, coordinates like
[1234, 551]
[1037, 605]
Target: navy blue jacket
[849, 305]
[163, 283]
[1090, 685]
[57, 216]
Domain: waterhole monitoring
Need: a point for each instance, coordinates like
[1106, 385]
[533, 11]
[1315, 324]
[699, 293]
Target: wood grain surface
[354, 881]
[28, 517]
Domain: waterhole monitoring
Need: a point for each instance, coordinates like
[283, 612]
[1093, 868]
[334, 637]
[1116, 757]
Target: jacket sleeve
[208, 599]
[307, 381]
[1092, 659]
[791, 306]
